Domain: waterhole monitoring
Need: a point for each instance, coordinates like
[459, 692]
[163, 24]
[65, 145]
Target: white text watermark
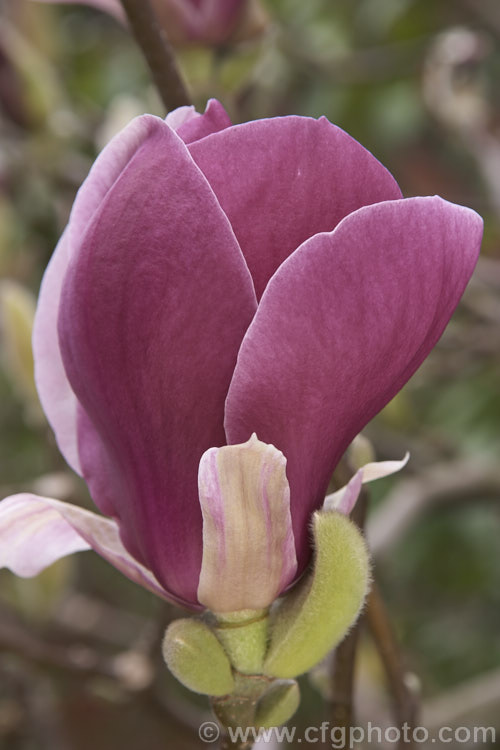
[342, 737]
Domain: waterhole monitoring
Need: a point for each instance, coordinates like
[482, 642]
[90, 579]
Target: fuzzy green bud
[317, 614]
[244, 637]
[278, 704]
[196, 658]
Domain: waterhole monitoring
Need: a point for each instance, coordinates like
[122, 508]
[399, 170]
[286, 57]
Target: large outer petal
[57, 398]
[343, 324]
[282, 180]
[56, 395]
[153, 311]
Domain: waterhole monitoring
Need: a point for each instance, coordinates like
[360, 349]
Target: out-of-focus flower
[452, 88]
[217, 281]
[204, 21]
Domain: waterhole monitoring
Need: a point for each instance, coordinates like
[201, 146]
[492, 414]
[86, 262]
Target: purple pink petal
[282, 180]
[154, 307]
[342, 325]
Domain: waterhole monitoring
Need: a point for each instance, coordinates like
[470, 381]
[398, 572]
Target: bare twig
[405, 700]
[486, 12]
[376, 617]
[344, 661]
[468, 703]
[453, 481]
[153, 41]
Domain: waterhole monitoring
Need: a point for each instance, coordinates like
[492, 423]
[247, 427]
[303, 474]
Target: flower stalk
[244, 639]
[156, 48]
[239, 709]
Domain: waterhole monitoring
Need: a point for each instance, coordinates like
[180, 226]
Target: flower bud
[317, 614]
[278, 704]
[196, 658]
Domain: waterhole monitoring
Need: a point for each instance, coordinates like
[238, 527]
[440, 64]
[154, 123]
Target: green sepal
[194, 655]
[278, 704]
[244, 637]
[319, 611]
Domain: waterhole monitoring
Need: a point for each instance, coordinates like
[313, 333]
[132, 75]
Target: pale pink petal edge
[56, 396]
[36, 531]
[344, 500]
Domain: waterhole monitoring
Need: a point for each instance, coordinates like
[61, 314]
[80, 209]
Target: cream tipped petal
[248, 547]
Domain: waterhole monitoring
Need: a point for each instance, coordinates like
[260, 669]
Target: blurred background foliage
[417, 83]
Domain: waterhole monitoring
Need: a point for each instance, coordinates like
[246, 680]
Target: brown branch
[441, 484]
[485, 12]
[404, 699]
[376, 617]
[344, 662]
[469, 703]
[153, 41]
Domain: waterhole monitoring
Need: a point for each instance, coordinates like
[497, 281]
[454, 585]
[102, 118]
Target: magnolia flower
[226, 310]
[205, 21]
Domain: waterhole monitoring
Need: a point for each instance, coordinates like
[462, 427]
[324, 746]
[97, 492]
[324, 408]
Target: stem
[237, 710]
[404, 699]
[153, 41]
[343, 683]
[244, 637]
[345, 654]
